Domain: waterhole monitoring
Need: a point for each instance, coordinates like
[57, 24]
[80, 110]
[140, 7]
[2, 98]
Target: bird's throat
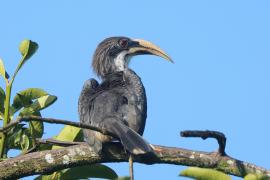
[120, 61]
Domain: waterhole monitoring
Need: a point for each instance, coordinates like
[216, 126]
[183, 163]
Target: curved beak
[140, 46]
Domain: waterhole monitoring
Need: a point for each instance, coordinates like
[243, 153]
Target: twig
[51, 141]
[58, 142]
[219, 136]
[131, 172]
[55, 121]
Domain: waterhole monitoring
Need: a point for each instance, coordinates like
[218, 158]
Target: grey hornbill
[118, 103]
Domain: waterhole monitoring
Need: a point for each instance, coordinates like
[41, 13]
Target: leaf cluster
[22, 137]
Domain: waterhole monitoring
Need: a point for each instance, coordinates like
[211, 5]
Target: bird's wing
[84, 108]
[107, 108]
[110, 110]
[86, 96]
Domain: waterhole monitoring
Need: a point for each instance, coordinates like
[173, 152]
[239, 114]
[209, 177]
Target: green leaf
[204, 174]
[123, 178]
[68, 133]
[43, 147]
[2, 100]
[256, 177]
[82, 172]
[79, 137]
[44, 101]
[19, 138]
[24, 98]
[33, 100]
[25, 143]
[14, 136]
[27, 49]
[2, 69]
[89, 171]
[1, 116]
[54, 176]
[3, 72]
[39, 104]
[36, 128]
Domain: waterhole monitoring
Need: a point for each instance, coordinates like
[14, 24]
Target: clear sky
[220, 79]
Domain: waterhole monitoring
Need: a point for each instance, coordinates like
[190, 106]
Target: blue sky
[220, 79]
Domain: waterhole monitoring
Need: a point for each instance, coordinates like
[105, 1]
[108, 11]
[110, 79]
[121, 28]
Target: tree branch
[45, 162]
[54, 121]
[49, 161]
[58, 142]
[219, 136]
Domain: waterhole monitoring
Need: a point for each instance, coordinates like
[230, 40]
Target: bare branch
[54, 121]
[58, 142]
[219, 136]
[52, 141]
[53, 160]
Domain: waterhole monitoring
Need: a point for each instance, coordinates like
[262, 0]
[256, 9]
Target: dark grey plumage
[118, 103]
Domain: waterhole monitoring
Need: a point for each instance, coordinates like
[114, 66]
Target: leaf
[82, 172]
[1, 116]
[36, 128]
[256, 177]
[54, 176]
[38, 105]
[94, 171]
[25, 143]
[204, 174]
[79, 137]
[45, 101]
[68, 133]
[27, 49]
[2, 100]
[2, 69]
[19, 138]
[24, 98]
[123, 178]
[3, 72]
[43, 147]
[14, 136]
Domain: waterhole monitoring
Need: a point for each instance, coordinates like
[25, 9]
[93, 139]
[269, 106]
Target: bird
[118, 103]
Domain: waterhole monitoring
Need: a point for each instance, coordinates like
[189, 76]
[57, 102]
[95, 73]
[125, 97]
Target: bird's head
[113, 54]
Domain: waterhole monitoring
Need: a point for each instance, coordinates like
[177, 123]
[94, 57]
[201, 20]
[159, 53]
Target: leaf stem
[6, 119]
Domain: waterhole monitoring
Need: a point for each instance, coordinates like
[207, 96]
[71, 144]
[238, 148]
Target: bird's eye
[123, 43]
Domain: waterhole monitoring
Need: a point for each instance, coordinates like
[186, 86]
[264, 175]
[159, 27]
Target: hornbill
[118, 103]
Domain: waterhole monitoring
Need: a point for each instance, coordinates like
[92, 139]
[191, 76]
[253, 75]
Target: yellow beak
[146, 47]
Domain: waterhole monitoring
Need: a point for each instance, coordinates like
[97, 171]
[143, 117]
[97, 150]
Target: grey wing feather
[131, 140]
[111, 112]
[84, 108]
[110, 109]
[84, 104]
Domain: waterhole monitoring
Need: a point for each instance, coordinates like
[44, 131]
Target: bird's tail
[132, 141]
